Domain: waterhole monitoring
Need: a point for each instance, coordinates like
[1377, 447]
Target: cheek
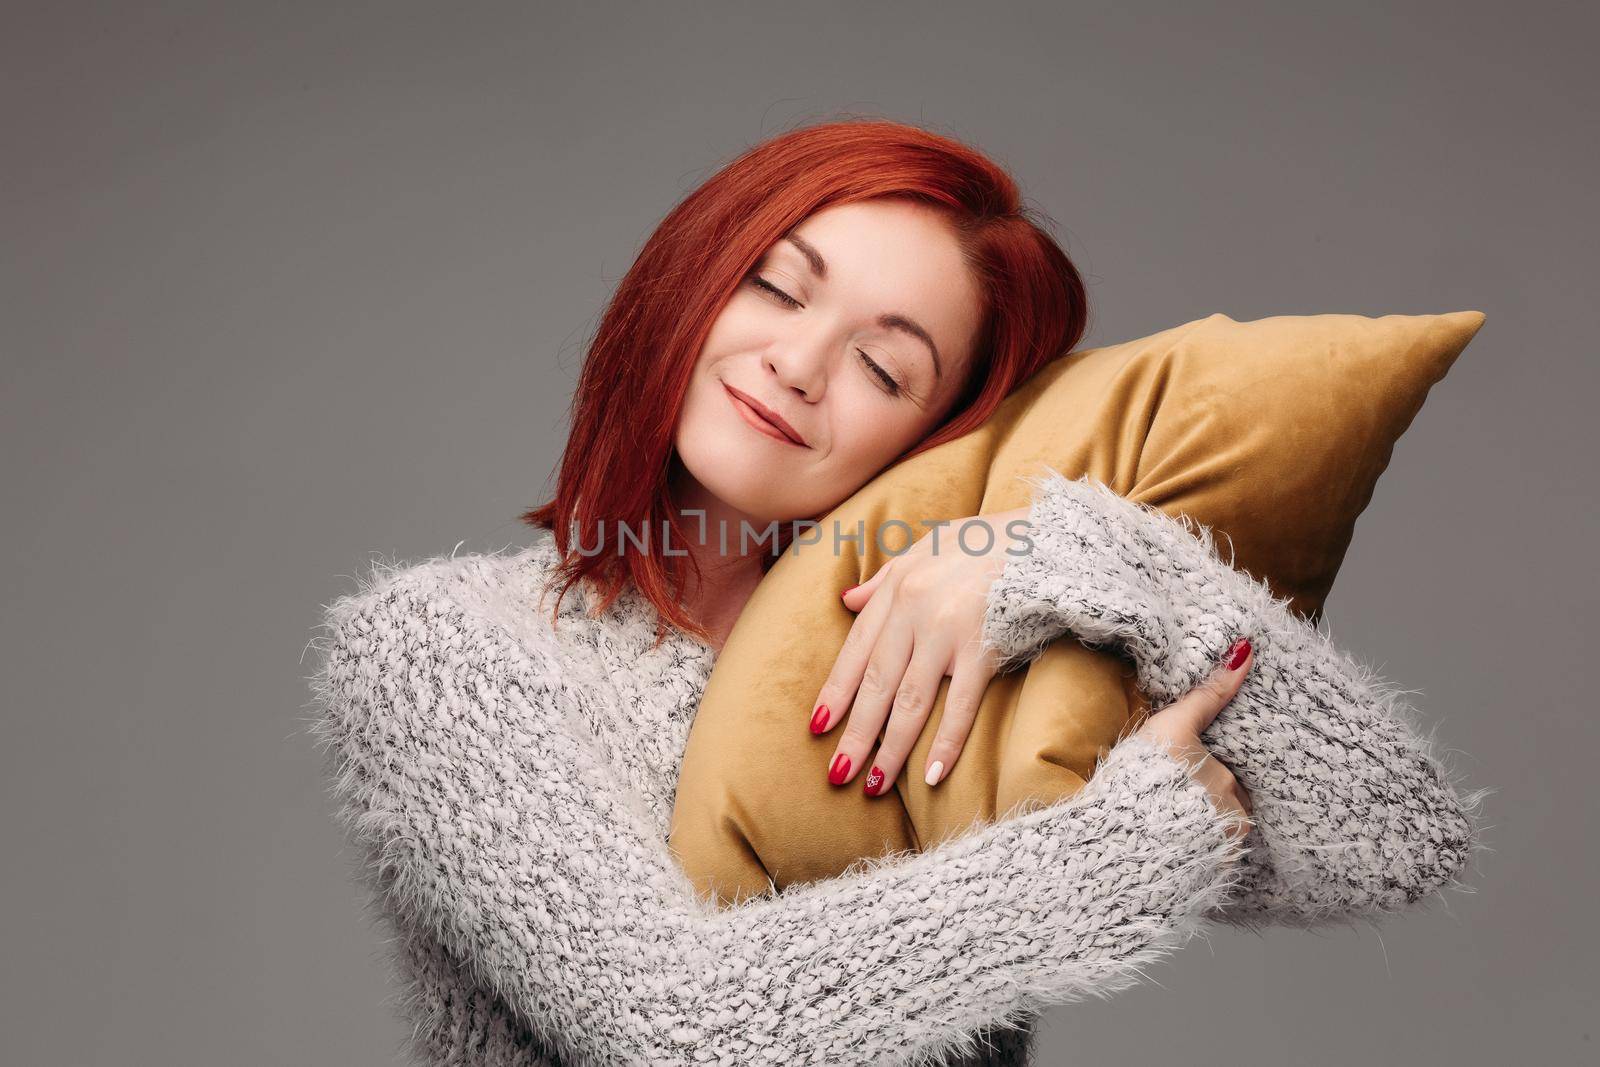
[734, 329]
[868, 433]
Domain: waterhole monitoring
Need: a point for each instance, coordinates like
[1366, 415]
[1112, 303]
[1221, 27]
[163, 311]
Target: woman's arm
[491, 818]
[1355, 816]
[457, 1023]
[454, 1021]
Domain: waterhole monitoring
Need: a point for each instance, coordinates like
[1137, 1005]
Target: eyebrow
[891, 320]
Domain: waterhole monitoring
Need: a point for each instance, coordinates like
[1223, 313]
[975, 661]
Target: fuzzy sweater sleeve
[1355, 815]
[488, 816]
[455, 1022]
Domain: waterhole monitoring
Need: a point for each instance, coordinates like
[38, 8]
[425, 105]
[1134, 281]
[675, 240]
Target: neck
[729, 570]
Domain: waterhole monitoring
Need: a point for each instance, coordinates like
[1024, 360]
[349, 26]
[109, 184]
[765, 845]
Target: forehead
[894, 257]
[868, 236]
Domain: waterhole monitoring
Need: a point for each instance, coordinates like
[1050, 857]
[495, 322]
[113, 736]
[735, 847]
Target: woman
[833, 300]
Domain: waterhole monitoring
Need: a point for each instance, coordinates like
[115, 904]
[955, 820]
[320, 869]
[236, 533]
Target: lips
[764, 418]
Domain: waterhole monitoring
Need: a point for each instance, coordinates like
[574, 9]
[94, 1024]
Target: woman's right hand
[1179, 725]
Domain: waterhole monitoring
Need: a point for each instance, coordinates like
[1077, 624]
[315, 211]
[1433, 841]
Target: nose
[801, 363]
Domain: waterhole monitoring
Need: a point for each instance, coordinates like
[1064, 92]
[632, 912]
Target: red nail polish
[874, 782]
[847, 592]
[1236, 654]
[840, 769]
[819, 719]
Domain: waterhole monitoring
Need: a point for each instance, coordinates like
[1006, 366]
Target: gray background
[287, 287]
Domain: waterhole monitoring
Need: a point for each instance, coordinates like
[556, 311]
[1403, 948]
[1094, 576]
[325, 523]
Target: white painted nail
[934, 771]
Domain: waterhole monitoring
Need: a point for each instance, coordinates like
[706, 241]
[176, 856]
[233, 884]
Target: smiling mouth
[757, 420]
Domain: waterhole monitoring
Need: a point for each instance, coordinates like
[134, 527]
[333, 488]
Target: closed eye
[761, 283]
[890, 386]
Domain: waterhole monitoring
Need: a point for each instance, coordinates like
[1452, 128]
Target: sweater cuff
[1145, 767]
[1152, 784]
[1113, 573]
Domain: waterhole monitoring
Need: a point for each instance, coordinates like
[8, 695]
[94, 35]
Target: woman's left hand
[919, 618]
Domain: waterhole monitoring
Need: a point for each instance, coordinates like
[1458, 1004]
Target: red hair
[625, 410]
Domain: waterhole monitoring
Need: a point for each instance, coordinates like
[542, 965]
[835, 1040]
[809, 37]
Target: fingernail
[934, 770]
[874, 782]
[1236, 654]
[847, 592]
[840, 769]
[819, 719]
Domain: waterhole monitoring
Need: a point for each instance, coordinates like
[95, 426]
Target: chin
[754, 500]
[727, 471]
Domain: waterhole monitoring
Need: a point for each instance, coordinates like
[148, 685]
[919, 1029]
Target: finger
[913, 702]
[1219, 785]
[1196, 709]
[1247, 822]
[1213, 773]
[886, 666]
[968, 682]
[838, 691]
[1240, 827]
[1227, 794]
[856, 597]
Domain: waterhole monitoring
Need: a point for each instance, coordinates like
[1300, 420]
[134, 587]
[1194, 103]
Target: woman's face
[858, 330]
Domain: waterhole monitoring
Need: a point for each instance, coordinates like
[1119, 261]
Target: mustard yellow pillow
[1272, 432]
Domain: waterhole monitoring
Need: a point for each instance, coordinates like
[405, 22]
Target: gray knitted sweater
[510, 786]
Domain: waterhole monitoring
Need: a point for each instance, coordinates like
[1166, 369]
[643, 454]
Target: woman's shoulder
[482, 571]
[502, 585]
[520, 590]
